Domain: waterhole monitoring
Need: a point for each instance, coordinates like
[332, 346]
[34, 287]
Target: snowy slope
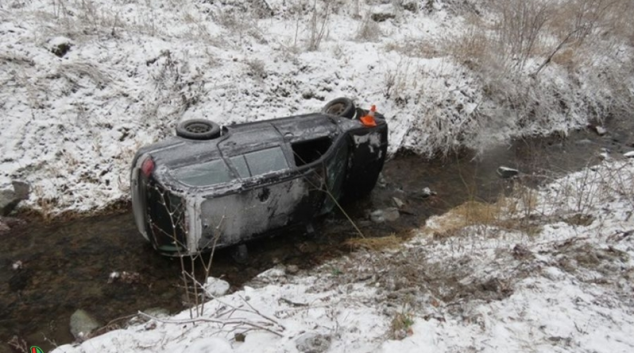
[83, 84]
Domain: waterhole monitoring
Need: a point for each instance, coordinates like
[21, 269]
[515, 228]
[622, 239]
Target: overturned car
[213, 187]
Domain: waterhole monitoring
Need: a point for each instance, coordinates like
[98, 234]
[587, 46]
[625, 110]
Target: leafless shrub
[256, 68]
[401, 326]
[508, 57]
[178, 88]
[415, 47]
[318, 25]
[368, 30]
[397, 81]
[520, 25]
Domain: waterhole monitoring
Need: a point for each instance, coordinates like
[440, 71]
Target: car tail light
[147, 167]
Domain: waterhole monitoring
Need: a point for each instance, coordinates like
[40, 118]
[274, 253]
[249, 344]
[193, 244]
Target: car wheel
[340, 107]
[198, 129]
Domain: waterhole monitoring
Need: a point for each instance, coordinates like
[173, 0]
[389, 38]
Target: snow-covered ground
[541, 271]
[84, 83]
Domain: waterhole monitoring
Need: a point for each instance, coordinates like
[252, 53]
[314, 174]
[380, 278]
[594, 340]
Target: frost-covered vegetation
[84, 83]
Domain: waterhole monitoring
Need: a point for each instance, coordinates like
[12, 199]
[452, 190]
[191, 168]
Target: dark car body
[255, 178]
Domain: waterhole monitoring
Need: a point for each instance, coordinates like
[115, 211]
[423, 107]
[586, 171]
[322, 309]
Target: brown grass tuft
[389, 242]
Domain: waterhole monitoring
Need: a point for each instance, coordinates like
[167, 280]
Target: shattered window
[205, 174]
[266, 161]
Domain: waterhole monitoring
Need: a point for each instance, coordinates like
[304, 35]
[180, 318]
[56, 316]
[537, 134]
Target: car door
[272, 195]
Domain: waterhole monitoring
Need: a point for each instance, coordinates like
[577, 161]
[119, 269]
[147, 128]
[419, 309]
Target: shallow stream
[66, 266]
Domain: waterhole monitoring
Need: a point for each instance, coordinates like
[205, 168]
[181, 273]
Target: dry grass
[374, 244]
[414, 47]
[468, 214]
[368, 30]
[401, 326]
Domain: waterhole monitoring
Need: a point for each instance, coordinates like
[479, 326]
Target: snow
[550, 275]
[551, 272]
[71, 124]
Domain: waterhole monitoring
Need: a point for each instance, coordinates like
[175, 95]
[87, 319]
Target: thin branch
[236, 322]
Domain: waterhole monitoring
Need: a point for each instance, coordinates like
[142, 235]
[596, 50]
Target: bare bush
[318, 25]
[510, 49]
[256, 68]
[368, 30]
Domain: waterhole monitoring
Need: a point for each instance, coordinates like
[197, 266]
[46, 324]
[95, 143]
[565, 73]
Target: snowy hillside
[84, 83]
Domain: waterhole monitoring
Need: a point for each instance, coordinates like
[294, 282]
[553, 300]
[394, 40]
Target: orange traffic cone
[368, 119]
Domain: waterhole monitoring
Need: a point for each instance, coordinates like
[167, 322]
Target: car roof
[175, 152]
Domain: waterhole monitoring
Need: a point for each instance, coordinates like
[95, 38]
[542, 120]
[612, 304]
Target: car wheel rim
[337, 109]
[198, 128]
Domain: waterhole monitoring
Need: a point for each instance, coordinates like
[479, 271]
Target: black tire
[340, 107]
[198, 129]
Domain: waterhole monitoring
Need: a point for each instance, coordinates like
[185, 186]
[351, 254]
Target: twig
[236, 322]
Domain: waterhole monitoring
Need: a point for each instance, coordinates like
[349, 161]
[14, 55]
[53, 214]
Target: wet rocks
[8, 223]
[389, 214]
[215, 287]
[382, 16]
[11, 194]
[506, 172]
[600, 130]
[82, 324]
[292, 269]
[398, 202]
[427, 192]
[60, 46]
[157, 312]
[128, 277]
[313, 343]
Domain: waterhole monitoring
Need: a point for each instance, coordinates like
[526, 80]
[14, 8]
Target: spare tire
[198, 129]
[340, 107]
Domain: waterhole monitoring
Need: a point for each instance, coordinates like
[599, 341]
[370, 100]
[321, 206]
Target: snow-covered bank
[542, 271]
[84, 83]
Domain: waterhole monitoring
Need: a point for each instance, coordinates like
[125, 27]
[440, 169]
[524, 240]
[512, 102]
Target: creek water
[66, 265]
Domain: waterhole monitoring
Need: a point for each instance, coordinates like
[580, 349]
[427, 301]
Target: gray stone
[377, 216]
[292, 269]
[157, 312]
[381, 182]
[427, 192]
[506, 172]
[398, 202]
[82, 324]
[583, 142]
[11, 195]
[215, 287]
[389, 214]
[3, 227]
[628, 154]
[313, 343]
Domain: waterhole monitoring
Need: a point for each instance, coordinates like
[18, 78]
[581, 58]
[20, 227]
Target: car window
[204, 174]
[241, 166]
[266, 161]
